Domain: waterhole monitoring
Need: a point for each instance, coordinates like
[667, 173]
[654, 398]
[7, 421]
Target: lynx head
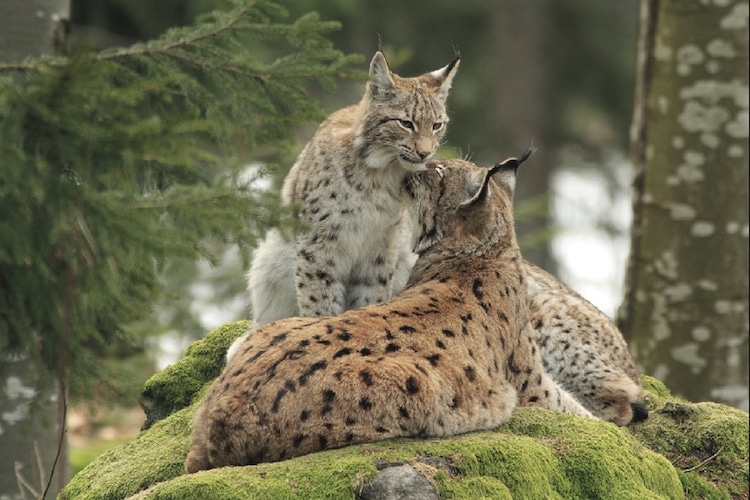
[404, 118]
[465, 208]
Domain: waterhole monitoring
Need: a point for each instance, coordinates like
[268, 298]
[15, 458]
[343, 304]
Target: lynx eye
[406, 124]
[436, 127]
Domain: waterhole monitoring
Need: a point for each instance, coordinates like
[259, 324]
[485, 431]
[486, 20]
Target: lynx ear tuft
[507, 170]
[444, 76]
[512, 163]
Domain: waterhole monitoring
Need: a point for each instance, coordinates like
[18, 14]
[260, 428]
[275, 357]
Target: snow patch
[735, 151]
[666, 265]
[739, 127]
[732, 393]
[14, 389]
[698, 118]
[18, 414]
[710, 140]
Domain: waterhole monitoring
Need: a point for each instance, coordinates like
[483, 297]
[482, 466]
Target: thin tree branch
[186, 41]
[141, 49]
[39, 462]
[186, 201]
[23, 483]
[691, 469]
[63, 426]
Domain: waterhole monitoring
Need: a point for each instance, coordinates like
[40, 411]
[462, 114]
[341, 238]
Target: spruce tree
[116, 162]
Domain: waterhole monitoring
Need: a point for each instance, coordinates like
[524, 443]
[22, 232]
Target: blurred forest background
[558, 75]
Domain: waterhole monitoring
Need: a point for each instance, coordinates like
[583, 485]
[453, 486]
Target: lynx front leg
[371, 283]
[405, 258]
[320, 289]
[383, 274]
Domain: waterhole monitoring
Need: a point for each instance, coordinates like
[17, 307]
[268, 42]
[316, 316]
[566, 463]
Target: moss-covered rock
[174, 387]
[683, 450]
[706, 442]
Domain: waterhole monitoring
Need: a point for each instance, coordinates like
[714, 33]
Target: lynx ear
[444, 76]
[475, 187]
[506, 170]
[381, 83]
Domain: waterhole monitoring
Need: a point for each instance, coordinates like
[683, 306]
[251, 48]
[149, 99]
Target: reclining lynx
[348, 181]
[583, 351]
[454, 352]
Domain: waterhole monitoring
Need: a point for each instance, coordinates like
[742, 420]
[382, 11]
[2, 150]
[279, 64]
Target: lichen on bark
[685, 312]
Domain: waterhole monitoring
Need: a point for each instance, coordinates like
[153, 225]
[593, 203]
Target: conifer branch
[119, 162]
[155, 47]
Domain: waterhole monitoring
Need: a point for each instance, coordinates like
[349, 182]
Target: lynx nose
[423, 147]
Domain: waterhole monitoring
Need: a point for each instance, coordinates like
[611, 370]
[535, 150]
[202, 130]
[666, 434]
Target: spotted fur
[454, 352]
[583, 350]
[347, 182]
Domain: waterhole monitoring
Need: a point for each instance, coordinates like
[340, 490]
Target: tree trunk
[31, 441]
[31, 28]
[686, 305]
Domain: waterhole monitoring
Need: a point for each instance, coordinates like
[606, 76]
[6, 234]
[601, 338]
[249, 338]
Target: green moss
[475, 488]
[656, 394]
[175, 387]
[697, 487]
[706, 440]
[526, 467]
[537, 454]
[152, 457]
[326, 475]
[598, 459]
[567, 458]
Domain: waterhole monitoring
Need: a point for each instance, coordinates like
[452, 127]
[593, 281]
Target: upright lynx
[454, 352]
[347, 181]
